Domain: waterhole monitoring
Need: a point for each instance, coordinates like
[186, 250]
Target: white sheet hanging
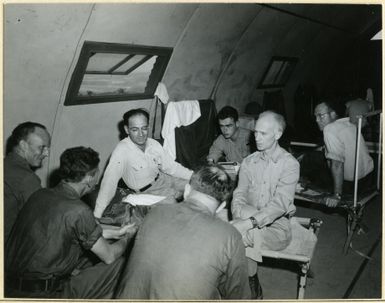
[181, 113]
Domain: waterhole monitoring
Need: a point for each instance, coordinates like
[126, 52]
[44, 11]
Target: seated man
[340, 147]
[233, 143]
[263, 201]
[54, 229]
[142, 163]
[29, 145]
[184, 252]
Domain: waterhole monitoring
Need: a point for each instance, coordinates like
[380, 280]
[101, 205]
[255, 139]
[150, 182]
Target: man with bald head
[340, 147]
[29, 145]
[263, 201]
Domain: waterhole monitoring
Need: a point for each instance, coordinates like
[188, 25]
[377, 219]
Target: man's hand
[128, 231]
[243, 226]
[332, 201]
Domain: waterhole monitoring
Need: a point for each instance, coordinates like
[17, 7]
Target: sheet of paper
[143, 199]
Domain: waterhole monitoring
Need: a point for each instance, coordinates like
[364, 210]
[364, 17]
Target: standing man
[53, 231]
[142, 163]
[233, 143]
[340, 146]
[29, 145]
[263, 201]
[184, 252]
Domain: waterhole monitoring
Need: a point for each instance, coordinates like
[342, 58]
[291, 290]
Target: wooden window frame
[289, 67]
[90, 47]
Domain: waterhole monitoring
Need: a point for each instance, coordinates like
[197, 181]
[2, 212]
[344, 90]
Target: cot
[354, 205]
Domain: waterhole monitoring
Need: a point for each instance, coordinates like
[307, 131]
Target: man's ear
[237, 123]
[187, 190]
[23, 145]
[277, 134]
[334, 115]
[126, 129]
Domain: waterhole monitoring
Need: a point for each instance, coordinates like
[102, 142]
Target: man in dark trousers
[184, 252]
[28, 146]
[54, 230]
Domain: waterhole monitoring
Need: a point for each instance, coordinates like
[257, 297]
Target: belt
[36, 285]
[147, 186]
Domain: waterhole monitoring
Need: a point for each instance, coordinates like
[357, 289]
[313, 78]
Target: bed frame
[354, 209]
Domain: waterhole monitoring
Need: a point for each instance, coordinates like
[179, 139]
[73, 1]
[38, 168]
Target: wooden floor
[336, 276]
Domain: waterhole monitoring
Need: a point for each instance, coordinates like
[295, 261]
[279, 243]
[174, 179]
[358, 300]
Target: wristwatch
[254, 222]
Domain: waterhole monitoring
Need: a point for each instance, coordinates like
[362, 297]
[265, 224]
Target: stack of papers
[143, 199]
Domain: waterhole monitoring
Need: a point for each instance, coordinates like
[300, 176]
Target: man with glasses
[340, 147]
[142, 163]
[28, 147]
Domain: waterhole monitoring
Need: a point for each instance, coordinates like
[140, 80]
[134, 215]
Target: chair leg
[302, 281]
[354, 217]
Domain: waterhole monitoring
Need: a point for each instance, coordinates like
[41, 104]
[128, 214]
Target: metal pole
[357, 158]
[379, 154]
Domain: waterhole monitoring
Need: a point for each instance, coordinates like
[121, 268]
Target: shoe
[256, 289]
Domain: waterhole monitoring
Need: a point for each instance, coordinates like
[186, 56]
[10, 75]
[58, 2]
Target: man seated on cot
[263, 201]
[233, 143]
[142, 163]
[55, 230]
[338, 162]
[28, 146]
[185, 252]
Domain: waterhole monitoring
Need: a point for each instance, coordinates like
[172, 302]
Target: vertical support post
[379, 154]
[302, 281]
[358, 138]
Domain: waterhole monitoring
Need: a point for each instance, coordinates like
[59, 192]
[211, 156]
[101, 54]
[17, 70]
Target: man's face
[137, 130]
[92, 180]
[266, 133]
[228, 127]
[323, 115]
[36, 147]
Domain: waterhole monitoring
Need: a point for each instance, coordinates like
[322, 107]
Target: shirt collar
[274, 155]
[15, 157]
[67, 190]
[197, 205]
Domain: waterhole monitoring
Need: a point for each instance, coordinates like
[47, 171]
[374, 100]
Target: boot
[255, 286]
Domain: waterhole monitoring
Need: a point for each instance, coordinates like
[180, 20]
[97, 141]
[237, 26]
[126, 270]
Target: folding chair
[300, 249]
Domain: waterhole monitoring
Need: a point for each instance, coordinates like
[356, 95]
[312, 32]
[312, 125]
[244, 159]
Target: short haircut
[76, 162]
[22, 131]
[135, 112]
[279, 119]
[212, 180]
[228, 112]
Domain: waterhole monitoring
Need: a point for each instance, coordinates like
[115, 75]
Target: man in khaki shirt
[233, 143]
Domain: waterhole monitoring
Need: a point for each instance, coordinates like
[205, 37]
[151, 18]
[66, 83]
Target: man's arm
[239, 206]
[173, 168]
[216, 150]
[335, 155]
[337, 170]
[108, 253]
[112, 175]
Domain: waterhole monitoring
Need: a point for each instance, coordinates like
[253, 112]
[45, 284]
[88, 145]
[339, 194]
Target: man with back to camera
[263, 201]
[233, 143]
[340, 146]
[29, 145]
[142, 163]
[53, 231]
[184, 251]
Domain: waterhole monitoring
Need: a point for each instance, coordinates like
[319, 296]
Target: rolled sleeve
[112, 175]
[216, 150]
[334, 148]
[169, 166]
[240, 206]
[86, 229]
